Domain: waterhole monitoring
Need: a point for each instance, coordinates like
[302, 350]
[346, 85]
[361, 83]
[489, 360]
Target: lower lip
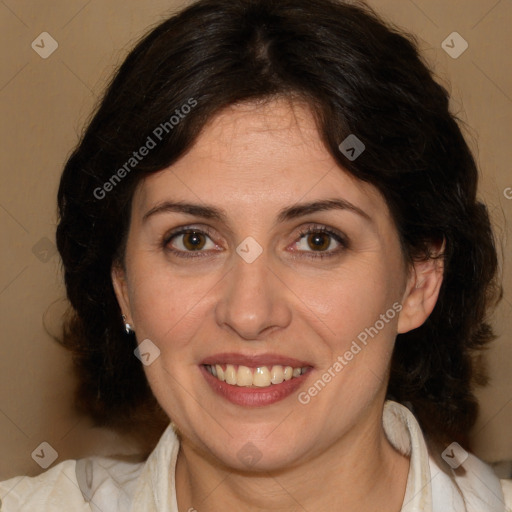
[253, 397]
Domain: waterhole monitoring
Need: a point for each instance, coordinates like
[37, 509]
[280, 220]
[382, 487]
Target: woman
[271, 236]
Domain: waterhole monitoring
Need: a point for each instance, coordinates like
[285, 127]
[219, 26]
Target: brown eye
[193, 240]
[319, 241]
[189, 241]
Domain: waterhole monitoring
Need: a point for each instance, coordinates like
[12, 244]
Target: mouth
[254, 377]
[254, 381]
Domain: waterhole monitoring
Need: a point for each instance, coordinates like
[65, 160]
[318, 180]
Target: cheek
[347, 302]
[355, 316]
[166, 307]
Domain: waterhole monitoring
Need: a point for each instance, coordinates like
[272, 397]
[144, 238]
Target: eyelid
[205, 230]
[322, 228]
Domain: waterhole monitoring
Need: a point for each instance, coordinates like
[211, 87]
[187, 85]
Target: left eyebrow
[317, 206]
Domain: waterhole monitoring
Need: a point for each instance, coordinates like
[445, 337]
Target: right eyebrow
[207, 212]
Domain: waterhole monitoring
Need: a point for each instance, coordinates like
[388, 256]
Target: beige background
[44, 104]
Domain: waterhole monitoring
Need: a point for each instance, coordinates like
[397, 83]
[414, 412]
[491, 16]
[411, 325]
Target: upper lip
[254, 360]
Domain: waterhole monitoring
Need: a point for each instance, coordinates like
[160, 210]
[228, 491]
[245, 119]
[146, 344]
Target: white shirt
[102, 484]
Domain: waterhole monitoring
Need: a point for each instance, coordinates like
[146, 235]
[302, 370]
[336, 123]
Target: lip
[254, 397]
[254, 360]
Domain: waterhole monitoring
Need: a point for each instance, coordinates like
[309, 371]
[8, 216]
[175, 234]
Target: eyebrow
[289, 213]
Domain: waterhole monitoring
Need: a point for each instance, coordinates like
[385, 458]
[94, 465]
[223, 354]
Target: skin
[251, 161]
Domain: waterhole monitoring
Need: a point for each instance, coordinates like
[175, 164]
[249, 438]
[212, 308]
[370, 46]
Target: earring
[127, 326]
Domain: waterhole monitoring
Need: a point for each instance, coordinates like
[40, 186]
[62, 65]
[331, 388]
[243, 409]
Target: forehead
[258, 157]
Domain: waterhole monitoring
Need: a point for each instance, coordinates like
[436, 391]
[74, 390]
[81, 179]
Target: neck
[360, 472]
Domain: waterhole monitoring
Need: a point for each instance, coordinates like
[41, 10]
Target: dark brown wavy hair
[359, 75]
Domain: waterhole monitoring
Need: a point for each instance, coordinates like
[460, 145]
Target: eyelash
[302, 233]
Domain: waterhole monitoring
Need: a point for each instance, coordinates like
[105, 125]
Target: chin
[257, 455]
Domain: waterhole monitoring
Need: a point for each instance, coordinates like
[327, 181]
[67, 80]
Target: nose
[253, 302]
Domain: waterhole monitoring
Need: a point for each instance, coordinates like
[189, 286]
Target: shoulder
[473, 480]
[90, 484]
[55, 487]
[506, 487]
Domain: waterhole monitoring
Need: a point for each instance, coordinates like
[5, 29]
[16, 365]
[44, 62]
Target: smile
[260, 377]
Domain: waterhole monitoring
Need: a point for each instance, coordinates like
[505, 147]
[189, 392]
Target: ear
[422, 290]
[118, 274]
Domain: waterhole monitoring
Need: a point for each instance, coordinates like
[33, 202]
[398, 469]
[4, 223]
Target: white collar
[429, 488]
[433, 486]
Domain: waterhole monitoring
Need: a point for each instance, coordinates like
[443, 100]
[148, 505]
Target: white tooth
[261, 377]
[244, 376]
[230, 374]
[213, 370]
[276, 374]
[288, 373]
[296, 372]
[220, 372]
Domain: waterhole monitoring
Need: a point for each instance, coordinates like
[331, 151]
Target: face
[253, 253]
